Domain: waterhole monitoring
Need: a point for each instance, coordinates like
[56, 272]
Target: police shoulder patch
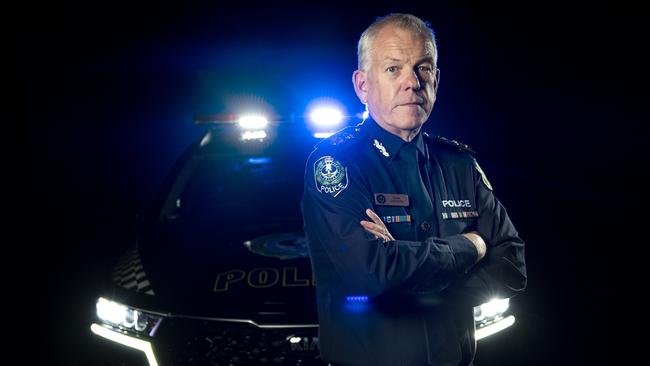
[451, 143]
[330, 176]
[483, 176]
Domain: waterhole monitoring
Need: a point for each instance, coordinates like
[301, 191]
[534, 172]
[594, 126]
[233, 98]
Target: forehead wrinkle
[412, 54]
[394, 43]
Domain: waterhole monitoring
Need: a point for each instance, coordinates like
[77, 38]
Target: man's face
[399, 86]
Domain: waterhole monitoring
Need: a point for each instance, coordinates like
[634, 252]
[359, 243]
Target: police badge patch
[330, 175]
[483, 177]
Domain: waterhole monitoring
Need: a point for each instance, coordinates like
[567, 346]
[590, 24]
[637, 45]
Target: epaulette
[452, 143]
[342, 137]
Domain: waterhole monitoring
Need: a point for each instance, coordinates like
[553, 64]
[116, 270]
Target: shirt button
[425, 226]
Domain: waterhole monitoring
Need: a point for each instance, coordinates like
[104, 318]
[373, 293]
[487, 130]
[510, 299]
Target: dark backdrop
[548, 94]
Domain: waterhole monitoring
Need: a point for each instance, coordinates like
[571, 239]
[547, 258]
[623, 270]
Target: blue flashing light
[357, 298]
[356, 304]
[326, 116]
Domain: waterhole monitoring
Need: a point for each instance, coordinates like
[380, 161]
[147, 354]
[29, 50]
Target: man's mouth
[411, 104]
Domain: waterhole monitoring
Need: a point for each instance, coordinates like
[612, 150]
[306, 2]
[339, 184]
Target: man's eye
[424, 68]
[392, 69]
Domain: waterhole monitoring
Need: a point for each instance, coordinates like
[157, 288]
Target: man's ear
[436, 81]
[359, 79]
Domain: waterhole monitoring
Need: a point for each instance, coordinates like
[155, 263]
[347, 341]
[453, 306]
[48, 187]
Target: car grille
[201, 342]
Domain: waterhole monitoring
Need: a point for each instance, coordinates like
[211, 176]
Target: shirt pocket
[397, 220]
[457, 225]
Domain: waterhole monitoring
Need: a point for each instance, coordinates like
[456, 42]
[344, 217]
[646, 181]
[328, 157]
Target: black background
[549, 94]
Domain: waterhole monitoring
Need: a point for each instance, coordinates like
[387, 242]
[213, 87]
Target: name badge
[391, 199]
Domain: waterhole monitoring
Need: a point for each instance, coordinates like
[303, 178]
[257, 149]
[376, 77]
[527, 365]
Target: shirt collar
[393, 143]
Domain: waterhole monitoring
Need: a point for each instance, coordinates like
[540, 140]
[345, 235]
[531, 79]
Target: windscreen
[238, 193]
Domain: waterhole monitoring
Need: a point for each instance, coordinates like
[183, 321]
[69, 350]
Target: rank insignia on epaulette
[460, 146]
[335, 140]
[340, 137]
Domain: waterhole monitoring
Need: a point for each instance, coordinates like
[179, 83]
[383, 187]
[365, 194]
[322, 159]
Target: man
[405, 234]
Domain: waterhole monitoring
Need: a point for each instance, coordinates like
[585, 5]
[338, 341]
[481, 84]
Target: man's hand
[478, 242]
[376, 227]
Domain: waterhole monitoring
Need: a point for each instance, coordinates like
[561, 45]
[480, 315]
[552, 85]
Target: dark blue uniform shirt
[408, 301]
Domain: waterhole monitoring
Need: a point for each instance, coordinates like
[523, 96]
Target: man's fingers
[372, 227]
[377, 220]
[374, 217]
[374, 230]
[377, 227]
[377, 230]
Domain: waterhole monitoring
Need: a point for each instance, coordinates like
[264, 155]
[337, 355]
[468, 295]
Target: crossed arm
[379, 230]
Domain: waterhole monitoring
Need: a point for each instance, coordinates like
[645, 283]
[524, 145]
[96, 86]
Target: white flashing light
[365, 114]
[323, 135]
[478, 314]
[326, 116]
[111, 311]
[253, 135]
[117, 314]
[127, 341]
[494, 328]
[295, 339]
[494, 307]
[252, 122]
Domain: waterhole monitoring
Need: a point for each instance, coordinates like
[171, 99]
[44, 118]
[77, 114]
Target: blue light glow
[324, 116]
[258, 161]
[357, 298]
[323, 135]
[356, 304]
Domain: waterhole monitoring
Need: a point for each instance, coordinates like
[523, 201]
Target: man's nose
[412, 81]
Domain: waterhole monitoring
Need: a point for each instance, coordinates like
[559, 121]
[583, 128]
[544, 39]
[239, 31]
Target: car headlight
[491, 309]
[489, 318]
[126, 326]
[126, 318]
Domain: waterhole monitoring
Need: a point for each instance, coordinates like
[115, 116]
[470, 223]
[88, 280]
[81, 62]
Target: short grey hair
[403, 21]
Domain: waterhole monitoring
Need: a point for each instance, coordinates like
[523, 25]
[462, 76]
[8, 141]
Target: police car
[219, 273]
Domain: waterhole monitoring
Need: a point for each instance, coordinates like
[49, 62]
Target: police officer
[404, 232]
